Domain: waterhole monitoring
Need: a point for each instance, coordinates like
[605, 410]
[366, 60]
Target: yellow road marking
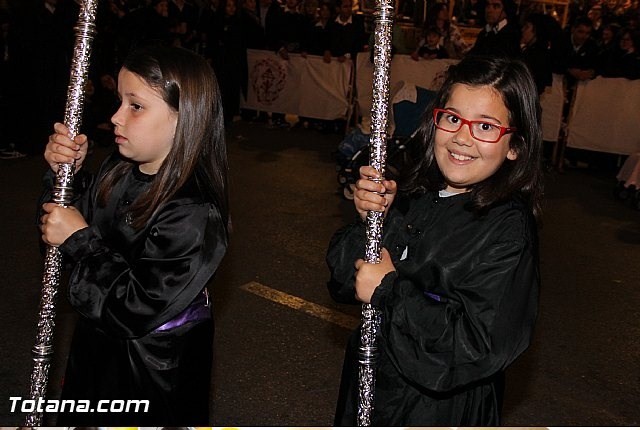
[293, 302]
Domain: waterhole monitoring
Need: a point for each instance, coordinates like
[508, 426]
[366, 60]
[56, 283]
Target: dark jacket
[621, 64]
[144, 330]
[505, 42]
[459, 309]
[538, 59]
[347, 39]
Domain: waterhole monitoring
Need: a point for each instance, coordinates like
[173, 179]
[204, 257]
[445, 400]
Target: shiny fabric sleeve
[346, 246]
[181, 251]
[444, 342]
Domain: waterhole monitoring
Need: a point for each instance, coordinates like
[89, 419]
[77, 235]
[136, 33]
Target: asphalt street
[280, 338]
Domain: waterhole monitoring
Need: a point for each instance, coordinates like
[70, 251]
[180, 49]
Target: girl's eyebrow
[483, 116]
[132, 94]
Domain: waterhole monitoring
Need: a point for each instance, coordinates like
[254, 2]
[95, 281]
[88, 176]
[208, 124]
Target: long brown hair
[186, 82]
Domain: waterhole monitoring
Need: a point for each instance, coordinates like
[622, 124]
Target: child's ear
[512, 154]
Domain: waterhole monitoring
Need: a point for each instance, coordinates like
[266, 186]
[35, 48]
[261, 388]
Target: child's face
[325, 11]
[528, 33]
[346, 9]
[230, 8]
[494, 12]
[464, 160]
[626, 42]
[432, 39]
[144, 123]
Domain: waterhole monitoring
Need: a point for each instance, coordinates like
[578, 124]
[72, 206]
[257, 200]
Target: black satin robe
[459, 309]
[125, 285]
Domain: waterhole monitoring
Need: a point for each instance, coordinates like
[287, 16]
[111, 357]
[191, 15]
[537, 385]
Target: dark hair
[186, 82]
[432, 17]
[510, 8]
[633, 34]
[582, 20]
[520, 177]
[548, 30]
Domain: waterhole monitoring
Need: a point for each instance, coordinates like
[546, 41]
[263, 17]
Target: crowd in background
[601, 38]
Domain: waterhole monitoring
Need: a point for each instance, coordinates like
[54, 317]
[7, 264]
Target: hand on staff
[58, 223]
[61, 149]
[369, 275]
[371, 195]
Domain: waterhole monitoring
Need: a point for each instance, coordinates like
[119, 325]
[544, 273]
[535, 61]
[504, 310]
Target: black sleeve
[346, 246]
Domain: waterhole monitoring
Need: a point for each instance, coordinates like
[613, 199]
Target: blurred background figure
[501, 33]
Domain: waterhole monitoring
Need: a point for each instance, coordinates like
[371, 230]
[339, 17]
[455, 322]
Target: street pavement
[280, 338]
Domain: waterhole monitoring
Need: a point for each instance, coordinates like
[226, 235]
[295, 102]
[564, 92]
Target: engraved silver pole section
[378, 153]
[62, 194]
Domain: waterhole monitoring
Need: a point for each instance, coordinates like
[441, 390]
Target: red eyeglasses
[484, 131]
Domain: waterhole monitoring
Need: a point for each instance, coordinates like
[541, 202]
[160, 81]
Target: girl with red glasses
[457, 285]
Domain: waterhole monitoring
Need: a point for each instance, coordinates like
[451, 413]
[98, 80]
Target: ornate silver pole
[368, 352]
[62, 194]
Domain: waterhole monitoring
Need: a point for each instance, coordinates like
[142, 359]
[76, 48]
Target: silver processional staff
[62, 194]
[367, 356]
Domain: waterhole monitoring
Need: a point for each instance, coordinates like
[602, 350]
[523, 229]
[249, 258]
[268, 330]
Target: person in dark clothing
[458, 279]
[317, 38]
[579, 53]
[608, 43]
[347, 34]
[577, 59]
[291, 29]
[536, 52]
[501, 34]
[269, 12]
[183, 20]
[252, 30]
[149, 24]
[624, 62]
[472, 13]
[40, 45]
[145, 236]
[229, 58]
[431, 49]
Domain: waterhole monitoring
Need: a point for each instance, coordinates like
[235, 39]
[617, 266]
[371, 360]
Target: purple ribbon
[198, 310]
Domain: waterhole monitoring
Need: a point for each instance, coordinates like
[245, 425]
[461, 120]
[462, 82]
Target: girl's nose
[116, 119]
[463, 136]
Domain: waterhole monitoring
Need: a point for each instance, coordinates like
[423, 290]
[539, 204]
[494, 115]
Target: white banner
[552, 101]
[302, 86]
[606, 116]
[427, 74]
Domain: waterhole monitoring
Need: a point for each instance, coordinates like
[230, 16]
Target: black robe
[145, 330]
[458, 310]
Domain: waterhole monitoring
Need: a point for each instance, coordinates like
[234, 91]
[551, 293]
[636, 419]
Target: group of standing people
[593, 44]
[38, 37]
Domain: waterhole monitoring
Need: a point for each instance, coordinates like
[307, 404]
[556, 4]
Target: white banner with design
[302, 86]
[606, 116]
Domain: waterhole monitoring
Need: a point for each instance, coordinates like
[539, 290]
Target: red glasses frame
[503, 130]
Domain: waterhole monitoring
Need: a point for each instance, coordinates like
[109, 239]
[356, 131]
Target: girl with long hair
[145, 236]
[457, 284]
